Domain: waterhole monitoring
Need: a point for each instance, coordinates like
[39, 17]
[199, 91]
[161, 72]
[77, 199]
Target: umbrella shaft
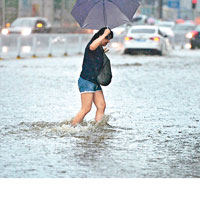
[104, 13]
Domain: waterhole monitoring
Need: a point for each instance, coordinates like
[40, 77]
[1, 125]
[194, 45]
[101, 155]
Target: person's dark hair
[101, 32]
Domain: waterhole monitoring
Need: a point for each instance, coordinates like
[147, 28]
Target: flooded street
[151, 127]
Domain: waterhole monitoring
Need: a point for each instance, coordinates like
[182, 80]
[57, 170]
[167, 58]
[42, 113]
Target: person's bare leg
[86, 100]
[100, 104]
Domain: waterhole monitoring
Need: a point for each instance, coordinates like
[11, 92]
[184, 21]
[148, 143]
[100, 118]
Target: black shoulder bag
[105, 76]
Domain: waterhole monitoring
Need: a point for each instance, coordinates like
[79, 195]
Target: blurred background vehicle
[179, 21]
[167, 28]
[194, 38]
[28, 25]
[145, 39]
[167, 31]
[140, 19]
[180, 30]
[183, 28]
[121, 30]
[169, 24]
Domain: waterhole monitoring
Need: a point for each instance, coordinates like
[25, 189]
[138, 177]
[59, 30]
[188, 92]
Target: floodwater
[151, 127]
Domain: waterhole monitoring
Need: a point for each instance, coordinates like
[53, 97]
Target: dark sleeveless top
[92, 63]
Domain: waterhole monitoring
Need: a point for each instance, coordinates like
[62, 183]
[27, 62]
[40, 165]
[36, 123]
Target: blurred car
[28, 25]
[183, 28]
[170, 34]
[120, 30]
[146, 38]
[194, 38]
[180, 30]
[167, 30]
[169, 24]
[140, 19]
[166, 27]
[180, 21]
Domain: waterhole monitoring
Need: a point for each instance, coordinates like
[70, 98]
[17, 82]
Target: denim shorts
[87, 86]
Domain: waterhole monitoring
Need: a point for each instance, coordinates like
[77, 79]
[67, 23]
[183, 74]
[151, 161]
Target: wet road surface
[151, 127]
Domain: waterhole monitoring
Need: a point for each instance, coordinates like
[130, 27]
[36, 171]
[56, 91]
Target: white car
[184, 28]
[120, 30]
[140, 19]
[28, 25]
[145, 38]
[168, 31]
[167, 28]
[169, 24]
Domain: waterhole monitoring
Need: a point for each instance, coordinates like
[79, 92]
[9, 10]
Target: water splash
[59, 129]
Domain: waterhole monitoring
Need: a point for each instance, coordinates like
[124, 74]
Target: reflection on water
[85, 143]
[151, 128]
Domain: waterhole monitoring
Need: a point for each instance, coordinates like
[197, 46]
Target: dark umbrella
[95, 14]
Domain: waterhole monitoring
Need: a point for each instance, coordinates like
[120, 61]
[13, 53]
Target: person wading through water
[89, 88]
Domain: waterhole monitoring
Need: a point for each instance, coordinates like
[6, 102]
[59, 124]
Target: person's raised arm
[98, 41]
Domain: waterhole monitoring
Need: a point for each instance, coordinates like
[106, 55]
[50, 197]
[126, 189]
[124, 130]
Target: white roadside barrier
[38, 45]
[42, 45]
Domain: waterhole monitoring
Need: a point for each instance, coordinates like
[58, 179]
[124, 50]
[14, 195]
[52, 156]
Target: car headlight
[26, 31]
[189, 35]
[4, 31]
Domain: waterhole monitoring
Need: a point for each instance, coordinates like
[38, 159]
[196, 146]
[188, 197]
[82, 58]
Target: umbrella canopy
[95, 14]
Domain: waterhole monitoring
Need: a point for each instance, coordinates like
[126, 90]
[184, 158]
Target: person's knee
[86, 109]
[102, 106]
